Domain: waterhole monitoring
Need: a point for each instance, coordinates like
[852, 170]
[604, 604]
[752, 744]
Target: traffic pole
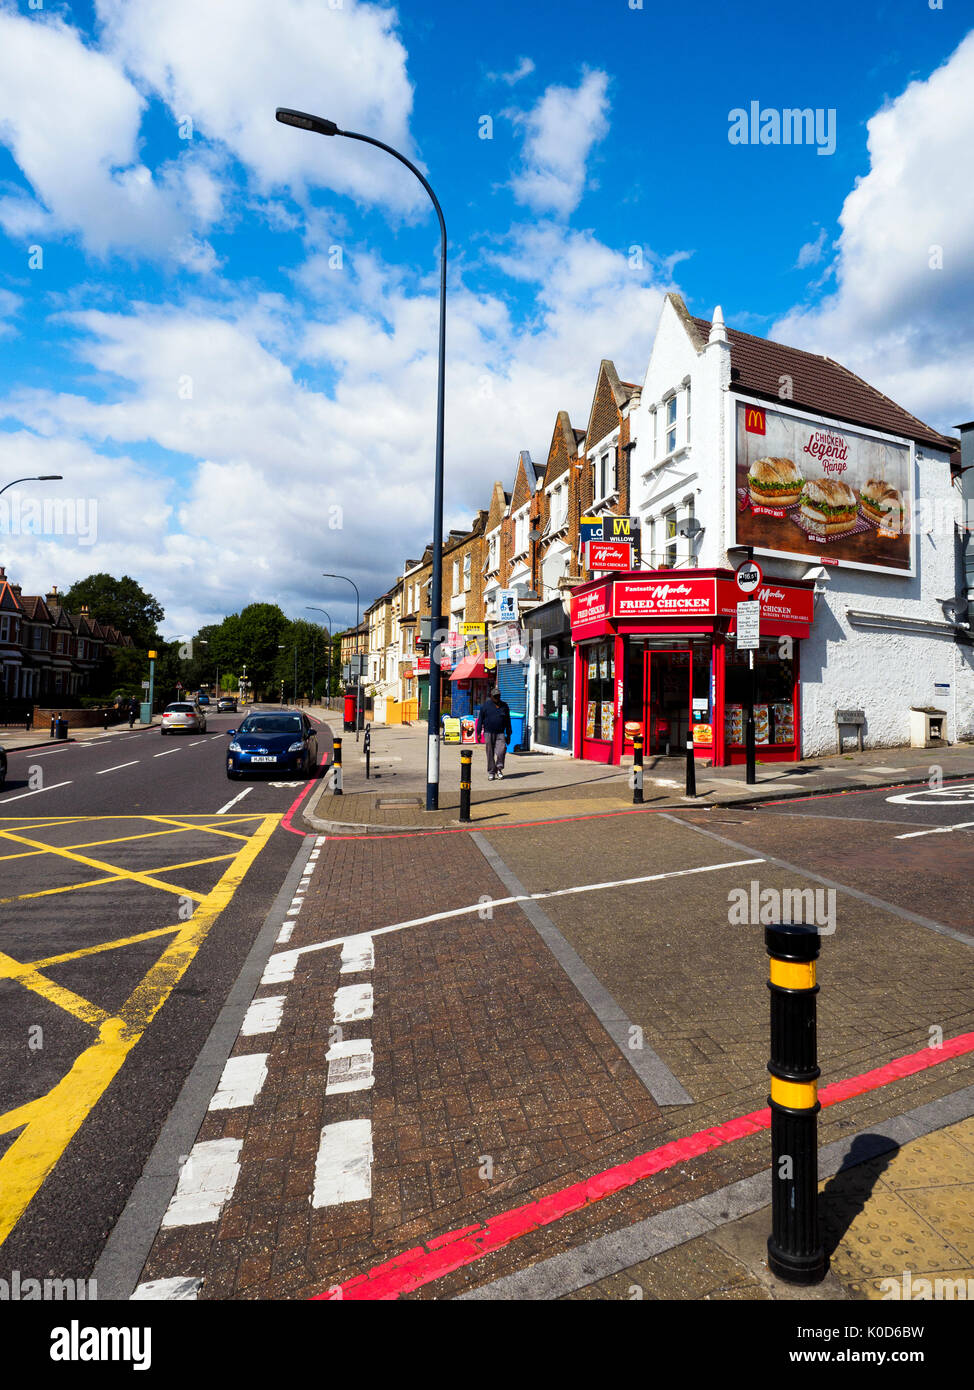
[637, 770]
[750, 772]
[367, 748]
[336, 767]
[466, 763]
[795, 1250]
[691, 769]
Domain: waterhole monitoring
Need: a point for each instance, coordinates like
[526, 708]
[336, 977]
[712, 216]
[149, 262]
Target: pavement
[544, 786]
[531, 1064]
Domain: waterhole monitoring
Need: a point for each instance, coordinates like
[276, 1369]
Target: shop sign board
[808, 487]
[507, 605]
[590, 607]
[473, 629]
[748, 625]
[610, 555]
[655, 597]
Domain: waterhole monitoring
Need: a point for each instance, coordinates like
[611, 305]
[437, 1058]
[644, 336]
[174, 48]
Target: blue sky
[227, 342]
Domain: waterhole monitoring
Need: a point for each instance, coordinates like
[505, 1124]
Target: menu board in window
[784, 722]
[607, 717]
[762, 724]
[590, 720]
[734, 723]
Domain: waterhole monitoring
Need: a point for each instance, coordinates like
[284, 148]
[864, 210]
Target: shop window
[669, 532]
[671, 424]
[774, 696]
[600, 692]
[552, 726]
[466, 572]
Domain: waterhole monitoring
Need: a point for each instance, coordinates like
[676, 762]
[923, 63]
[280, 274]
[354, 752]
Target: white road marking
[20, 795]
[239, 797]
[241, 1081]
[166, 754]
[343, 1168]
[280, 967]
[263, 1016]
[358, 953]
[117, 768]
[353, 1003]
[939, 830]
[206, 1183]
[349, 1066]
[197, 743]
[284, 935]
[178, 1288]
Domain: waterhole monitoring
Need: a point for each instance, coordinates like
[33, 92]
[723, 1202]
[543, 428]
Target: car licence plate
[271, 759]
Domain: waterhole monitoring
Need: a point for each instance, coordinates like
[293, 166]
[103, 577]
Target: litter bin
[61, 728]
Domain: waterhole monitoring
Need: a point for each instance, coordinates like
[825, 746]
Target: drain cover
[389, 802]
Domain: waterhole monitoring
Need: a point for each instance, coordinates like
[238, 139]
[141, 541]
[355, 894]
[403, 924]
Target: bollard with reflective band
[336, 769]
[691, 770]
[637, 771]
[466, 763]
[795, 1250]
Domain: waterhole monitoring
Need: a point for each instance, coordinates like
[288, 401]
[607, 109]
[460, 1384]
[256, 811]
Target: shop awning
[470, 668]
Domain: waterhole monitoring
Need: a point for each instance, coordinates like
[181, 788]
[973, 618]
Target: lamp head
[305, 121]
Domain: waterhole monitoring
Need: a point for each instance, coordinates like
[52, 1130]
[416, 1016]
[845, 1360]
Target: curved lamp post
[314, 608]
[304, 121]
[358, 605]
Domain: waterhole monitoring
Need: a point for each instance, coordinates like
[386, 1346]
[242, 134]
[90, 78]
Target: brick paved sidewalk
[397, 1085]
[539, 786]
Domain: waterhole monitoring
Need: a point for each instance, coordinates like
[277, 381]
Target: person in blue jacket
[494, 722]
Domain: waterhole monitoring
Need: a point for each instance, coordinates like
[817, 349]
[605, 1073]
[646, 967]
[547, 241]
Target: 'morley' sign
[658, 597]
[590, 607]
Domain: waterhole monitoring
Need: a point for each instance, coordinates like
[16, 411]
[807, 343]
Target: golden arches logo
[754, 420]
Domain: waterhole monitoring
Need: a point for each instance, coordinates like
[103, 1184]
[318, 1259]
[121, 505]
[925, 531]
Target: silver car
[183, 717]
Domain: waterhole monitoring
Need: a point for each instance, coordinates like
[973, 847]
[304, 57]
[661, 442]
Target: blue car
[276, 741]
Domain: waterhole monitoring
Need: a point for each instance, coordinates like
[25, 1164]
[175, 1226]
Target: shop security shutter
[512, 678]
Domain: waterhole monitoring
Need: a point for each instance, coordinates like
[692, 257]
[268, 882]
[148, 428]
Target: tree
[120, 603]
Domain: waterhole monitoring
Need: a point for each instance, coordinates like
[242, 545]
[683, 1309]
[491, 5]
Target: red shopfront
[657, 650]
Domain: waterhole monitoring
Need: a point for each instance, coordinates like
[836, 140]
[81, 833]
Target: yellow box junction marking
[48, 1123]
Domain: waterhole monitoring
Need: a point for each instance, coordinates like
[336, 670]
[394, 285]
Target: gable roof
[818, 384]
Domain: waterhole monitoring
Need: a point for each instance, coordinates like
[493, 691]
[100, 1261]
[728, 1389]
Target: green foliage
[120, 603]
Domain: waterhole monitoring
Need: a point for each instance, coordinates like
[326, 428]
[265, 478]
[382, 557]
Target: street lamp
[313, 607]
[38, 478]
[304, 121]
[358, 605]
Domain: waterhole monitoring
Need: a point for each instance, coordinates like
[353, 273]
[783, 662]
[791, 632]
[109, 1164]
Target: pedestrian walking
[494, 722]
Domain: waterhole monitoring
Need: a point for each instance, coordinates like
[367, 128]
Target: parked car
[226, 704]
[3, 767]
[276, 741]
[183, 717]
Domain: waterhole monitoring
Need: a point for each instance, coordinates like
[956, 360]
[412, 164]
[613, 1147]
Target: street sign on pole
[748, 576]
[748, 625]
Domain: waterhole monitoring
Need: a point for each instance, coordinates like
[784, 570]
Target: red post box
[350, 710]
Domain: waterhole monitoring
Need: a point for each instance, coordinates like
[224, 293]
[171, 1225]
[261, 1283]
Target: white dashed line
[178, 1288]
[206, 1183]
[352, 1003]
[284, 935]
[118, 767]
[241, 1081]
[20, 795]
[263, 1016]
[358, 953]
[239, 797]
[940, 830]
[349, 1066]
[343, 1168]
[166, 753]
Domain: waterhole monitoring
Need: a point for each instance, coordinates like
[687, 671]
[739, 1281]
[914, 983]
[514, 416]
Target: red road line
[851, 791]
[451, 1251]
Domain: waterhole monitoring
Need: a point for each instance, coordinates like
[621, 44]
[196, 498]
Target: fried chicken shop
[657, 654]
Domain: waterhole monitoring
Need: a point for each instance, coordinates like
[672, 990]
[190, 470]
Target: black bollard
[336, 768]
[795, 1250]
[367, 748]
[53, 722]
[466, 763]
[637, 770]
[691, 770]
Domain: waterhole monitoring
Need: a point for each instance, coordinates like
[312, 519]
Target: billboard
[813, 488]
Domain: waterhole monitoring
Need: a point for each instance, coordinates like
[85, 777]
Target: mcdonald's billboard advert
[813, 488]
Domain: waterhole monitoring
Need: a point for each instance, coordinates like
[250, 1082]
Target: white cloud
[895, 318]
[71, 120]
[812, 252]
[228, 64]
[560, 132]
[525, 67]
[289, 418]
[9, 305]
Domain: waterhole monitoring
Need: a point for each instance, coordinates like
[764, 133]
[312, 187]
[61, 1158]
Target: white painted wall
[881, 670]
